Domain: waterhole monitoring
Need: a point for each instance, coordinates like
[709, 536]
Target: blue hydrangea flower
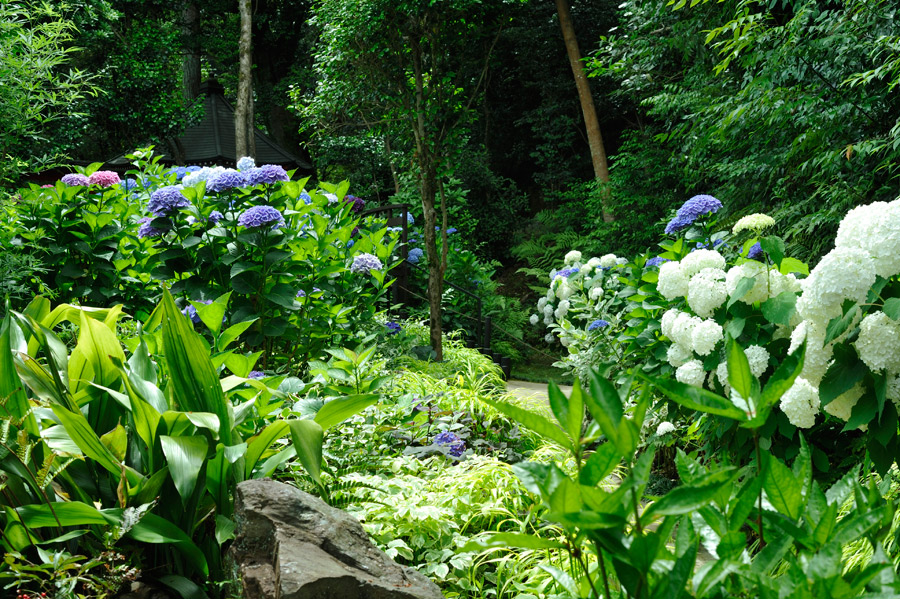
[409, 219]
[598, 324]
[655, 261]
[358, 203]
[147, 230]
[331, 197]
[415, 255]
[178, 171]
[260, 216]
[73, 179]
[215, 216]
[755, 252]
[167, 200]
[715, 244]
[691, 210]
[350, 243]
[392, 327]
[246, 163]
[256, 374]
[266, 175]
[306, 198]
[191, 312]
[566, 272]
[129, 184]
[201, 174]
[451, 231]
[227, 179]
[363, 263]
[457, 445]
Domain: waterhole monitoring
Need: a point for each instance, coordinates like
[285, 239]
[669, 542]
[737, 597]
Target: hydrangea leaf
[892, 308]
[779, 309]
[774, 247]
[846, 370]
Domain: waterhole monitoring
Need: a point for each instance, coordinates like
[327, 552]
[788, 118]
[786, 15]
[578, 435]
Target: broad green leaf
[696, 398]
[91, 361]
[154, 529]
[307, 436]
[837, 326]
[782, 489]
[183, 586]
[789, 265]
[185, 456]
[503, 540]
[892, 308]
[116, 441]
[232, 333]
[739, 376]
[779, 309]
[774, 247]
[83, 435]
[688, 498]
[338, 410]
[599, 465]
[846, 370]
[559, 404]
[73, 513]
[532, 421]
[212, 315]
[224, 529]
[261, 442]
[743, 287]
[204, 420]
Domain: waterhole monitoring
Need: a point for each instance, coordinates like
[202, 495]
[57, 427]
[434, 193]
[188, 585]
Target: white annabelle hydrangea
[779, 283]
[548, 310]
[551, 294]
[572, 257]
[749, 270]
[664, 428]
[700, 259]
[753, 222]
[758, 358]
[608, 261]
[564, 291]
[549, 338]
[585, 269]
[593, 262]
[800, 403]
[844, 273]
[691, 373]
[722, 375]
[541, 303]
[621, 261]
[874, 228]
[818, 355]
[561, 309]
[706, 291]
[667, 320]
[683, 329]
[596, 293]
[842, 406]
[878, 344]
[705, 335]
[534, 319]
[678, 355]
[893, 389]
[548, 318]
[673, 281]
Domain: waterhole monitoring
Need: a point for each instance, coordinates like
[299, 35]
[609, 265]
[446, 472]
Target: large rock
[291, 545]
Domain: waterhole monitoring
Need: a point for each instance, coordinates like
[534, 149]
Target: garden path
[533, 392]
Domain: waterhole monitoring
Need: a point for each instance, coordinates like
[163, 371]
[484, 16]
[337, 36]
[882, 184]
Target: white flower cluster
[691, 373]
[753, 222]
[757, 358]
[878, 344]
[572, 257]
[800, 403]
[842, 405]
[748, 270]
[608, 261]
[706, 291]
[874, 229]
[673, 280]
[844, 273]
[690, 335]
[664, 428]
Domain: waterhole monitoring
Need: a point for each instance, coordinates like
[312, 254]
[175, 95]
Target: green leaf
[261, 442]
[183, 586]
[83, 435]
[743, 287]
[837, 326]
[789, 265]
[782, 489]
[689, 498]
[779, 309]
[739, 376]
[695, 398]
[153, 529]
[213, 315]
[892, 308]
[233, 332]
[224, 529]
[116, 441]
[531, 421]
[338, 410]
[185, 456]
[774, 247]
[504, 540]
[72, 513]
[307, 436]
[846, 370]
[600, 463]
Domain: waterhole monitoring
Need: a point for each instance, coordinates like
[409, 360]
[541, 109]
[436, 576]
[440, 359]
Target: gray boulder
[291, 545]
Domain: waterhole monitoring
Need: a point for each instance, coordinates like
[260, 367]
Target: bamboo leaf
[307, 436]
[338, 410]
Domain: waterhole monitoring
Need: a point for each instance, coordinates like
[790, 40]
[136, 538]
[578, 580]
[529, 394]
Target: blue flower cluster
[755, 252]
[450, 231]
[415, 255]
[226, 179]
[148, 230]
[167, 200]
[392, 327]
[363, 263]
[655, 261]
[302, 293]
[712, 246]
[245, 164]
[409, 219]
[690, 211]
[457, 445]
[73, 179]
[307, 199]
[598, 324]
[266, 175]
[566, 272]
[256, 374]
[260, 216]
[181, 171]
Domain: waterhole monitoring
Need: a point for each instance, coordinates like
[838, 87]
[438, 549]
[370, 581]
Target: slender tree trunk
[190, 36]
[390, 158]
[243, 113]
[595, 139]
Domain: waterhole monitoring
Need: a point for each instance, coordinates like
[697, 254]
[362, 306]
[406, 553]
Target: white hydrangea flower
[565, 341]
[844, 273]
[564, 291]
[572, 257]
[700, 259]
[818, 355]
[842, 406]
[608, 260]
[551, 293]
[758, 358]
[548, 310]
[749, 270]
[585, 269]
[667, 320]
[893, 389]
[621, 261]
[673, 281]
[549, 338]
[561, 309]
[541, 303]
[534, 319]
[594, 262]
[705, 335]
[678, 355]
[722, 375]
[753, 222]
[691, 373]
[664, 428]
[683, 329]
[878, 344]
[548, 318]
[874, 228]
[779, 283]
[800, 403]
[706, 291]
[596, 293]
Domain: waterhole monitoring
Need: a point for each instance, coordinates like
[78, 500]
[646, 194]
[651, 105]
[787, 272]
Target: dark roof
[211, 141]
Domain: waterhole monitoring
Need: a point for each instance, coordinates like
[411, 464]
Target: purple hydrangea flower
[363, 263]
[73, 179]
[415, 255]
[227, 179]
[566, 272]
[655, 261]
[358, 203]
[245, 164]
[457, 445]
[129, 184]
[260, 216]
[256, 374]
[598, 324]
[215, 216]
[392, 327]
[266, 174]
[755, 252]
[302, 293]
[691, 210]
[147, 230]
[167, 200]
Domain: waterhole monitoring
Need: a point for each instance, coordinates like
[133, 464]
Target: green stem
[759, 526]
[603, 573]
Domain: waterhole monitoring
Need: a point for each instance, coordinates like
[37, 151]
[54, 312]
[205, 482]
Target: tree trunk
[243, 113]
[190, 36]
[595, 139]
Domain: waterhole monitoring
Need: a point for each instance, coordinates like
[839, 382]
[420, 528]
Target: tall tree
[409, 68]
[592, 125]
[243, 114]
[190, 40]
